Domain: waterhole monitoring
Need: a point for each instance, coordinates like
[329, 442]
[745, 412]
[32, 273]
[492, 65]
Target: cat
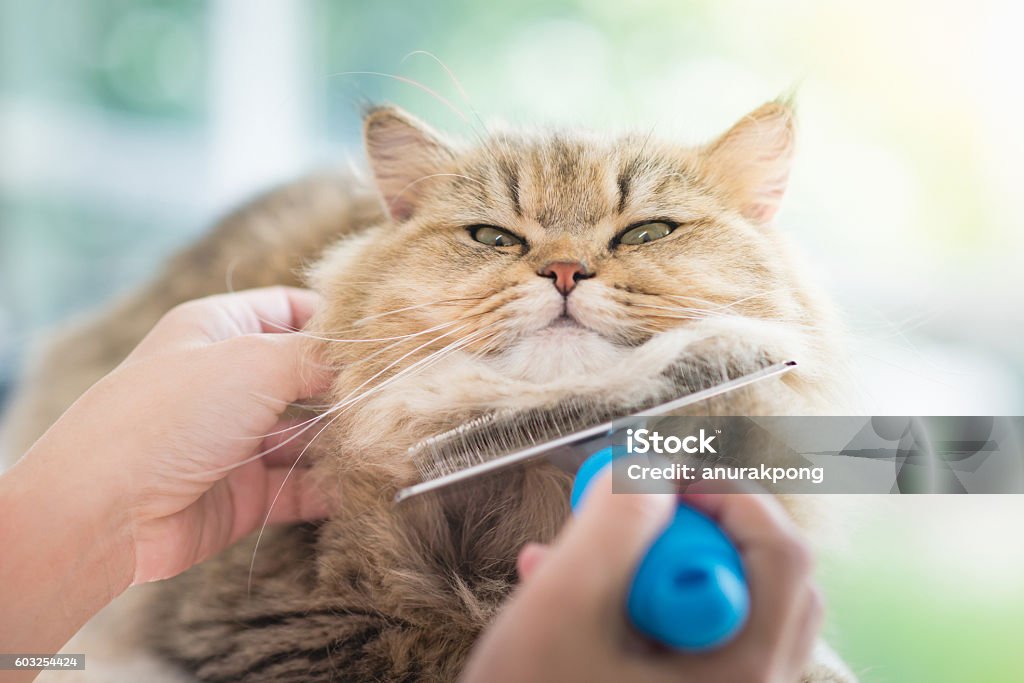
[515, 271]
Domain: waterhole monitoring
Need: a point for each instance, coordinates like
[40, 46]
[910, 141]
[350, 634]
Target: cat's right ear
[404, 153]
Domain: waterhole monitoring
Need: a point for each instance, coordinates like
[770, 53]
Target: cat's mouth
[564, 321]
[565, 324]
[567, 327]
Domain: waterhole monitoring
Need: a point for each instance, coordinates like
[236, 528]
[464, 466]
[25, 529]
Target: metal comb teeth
[494, 434]
[495, 441]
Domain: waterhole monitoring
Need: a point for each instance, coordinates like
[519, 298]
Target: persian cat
[513, 272]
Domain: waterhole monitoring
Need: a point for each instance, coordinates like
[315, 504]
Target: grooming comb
[565, 435]
[689, 591]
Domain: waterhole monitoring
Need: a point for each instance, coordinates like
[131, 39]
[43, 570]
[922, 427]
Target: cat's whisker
[304, 426]
[769, 292]
[451, 75]
[487, 345]
[339, 411]
[285, 404]
[453, 300]
[720, 307]
[337, 340]
[788, 321]
[678, 309]
[468, 338]
[409, 81]
[419, 366]
[273, 502]
[413, 307]
[427, 361]
[389, 347]
[455, 81]
[446, 350]
[353, 397]
[293, 329]
[396, 362]
[436, 328]
[690, 298]
[693, 309]
[327, 406]
[677, 317]
[720, 312]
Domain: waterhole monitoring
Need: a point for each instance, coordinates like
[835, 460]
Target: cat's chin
[562, 349]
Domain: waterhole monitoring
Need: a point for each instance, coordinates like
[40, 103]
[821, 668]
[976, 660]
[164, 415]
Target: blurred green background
[126, 126]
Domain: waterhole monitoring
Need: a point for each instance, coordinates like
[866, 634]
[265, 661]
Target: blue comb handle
[689, 591]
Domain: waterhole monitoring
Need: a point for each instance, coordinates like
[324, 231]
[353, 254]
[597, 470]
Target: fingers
[806, 636]
[777, 561]
[792, 649]
[292, 496]
[259, 495]
[288, 441]
[266, 310]
[597, 553]
[281, 367]
[232, 337]
[746, 514]
[223, 316]
[302, 303]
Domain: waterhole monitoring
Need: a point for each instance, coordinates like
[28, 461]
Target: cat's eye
[494, 237]
[648, 232]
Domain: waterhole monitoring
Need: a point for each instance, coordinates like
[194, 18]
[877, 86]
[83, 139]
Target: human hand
[567, 620]
[168, 441]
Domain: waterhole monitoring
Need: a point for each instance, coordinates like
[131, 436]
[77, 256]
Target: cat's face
[549, 256]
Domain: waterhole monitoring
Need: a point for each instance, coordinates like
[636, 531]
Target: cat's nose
[565, 274]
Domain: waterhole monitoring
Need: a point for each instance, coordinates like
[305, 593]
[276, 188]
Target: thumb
[599, 550]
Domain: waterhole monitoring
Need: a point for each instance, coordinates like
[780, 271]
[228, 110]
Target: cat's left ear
[751, 161]
[404, 152]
